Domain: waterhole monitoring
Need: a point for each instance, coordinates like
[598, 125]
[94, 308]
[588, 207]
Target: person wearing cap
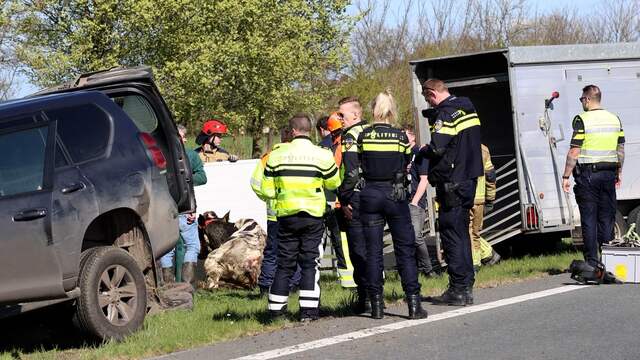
[209, 139]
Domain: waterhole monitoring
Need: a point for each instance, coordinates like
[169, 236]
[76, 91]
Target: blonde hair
[384, 108]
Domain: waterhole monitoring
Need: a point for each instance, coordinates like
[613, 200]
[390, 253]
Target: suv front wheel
[113, 297]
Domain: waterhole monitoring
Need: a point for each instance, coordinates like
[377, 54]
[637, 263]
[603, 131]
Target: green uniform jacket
[197, 169]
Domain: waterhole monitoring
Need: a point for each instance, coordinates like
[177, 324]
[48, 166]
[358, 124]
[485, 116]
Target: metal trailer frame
[540, 137]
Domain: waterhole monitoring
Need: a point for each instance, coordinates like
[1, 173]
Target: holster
[399, 192]
[450, 197]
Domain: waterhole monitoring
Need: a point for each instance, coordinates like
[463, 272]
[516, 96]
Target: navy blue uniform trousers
[270, 254]
[453, 223]
[300, 243]
[596, 198]
[375, 209]
[357, 244]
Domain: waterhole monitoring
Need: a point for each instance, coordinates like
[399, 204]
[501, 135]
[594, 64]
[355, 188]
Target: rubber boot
[377, 306]
[168, 275]
[415, 307]
[188, 273]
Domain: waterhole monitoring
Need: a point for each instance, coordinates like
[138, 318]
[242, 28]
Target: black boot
[377, 306]
[168, 276]
[189, 273]
[361, 303]
[450, 297]
[468, 295]
[275, 315]
[415, 307]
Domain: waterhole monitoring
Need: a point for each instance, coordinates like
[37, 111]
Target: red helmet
[211, 127]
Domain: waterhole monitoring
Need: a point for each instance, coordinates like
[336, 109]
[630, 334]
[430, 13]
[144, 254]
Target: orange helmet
[334, 122]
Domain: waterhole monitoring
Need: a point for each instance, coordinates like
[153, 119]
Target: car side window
[61, 160]
[22, 162]
[139, 110]
[84, 130]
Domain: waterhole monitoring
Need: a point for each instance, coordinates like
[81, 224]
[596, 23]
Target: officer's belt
[369, 181]
[601, 166]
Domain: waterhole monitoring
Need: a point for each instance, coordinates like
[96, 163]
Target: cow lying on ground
[213, 231]
[236, 262]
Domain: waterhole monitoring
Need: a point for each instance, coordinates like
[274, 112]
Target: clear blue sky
[24, 88]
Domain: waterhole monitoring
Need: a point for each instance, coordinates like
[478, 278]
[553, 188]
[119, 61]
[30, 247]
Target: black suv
[93, 176]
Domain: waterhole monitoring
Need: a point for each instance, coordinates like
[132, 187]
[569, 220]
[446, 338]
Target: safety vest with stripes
[256, 184]
[296, 175]
[601, 132]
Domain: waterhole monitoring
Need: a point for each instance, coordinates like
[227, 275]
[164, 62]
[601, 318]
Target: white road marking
[289, 350]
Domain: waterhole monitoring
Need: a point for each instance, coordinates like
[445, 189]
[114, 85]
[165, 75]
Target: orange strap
[337, 153]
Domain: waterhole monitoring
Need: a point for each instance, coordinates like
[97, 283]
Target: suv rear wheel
[113, 298]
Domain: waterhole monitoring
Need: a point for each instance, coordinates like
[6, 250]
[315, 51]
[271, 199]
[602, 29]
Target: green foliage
[255, 62]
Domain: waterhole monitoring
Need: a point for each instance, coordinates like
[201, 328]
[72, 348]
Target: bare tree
[499, 22]
[381, 38]
[619, 21]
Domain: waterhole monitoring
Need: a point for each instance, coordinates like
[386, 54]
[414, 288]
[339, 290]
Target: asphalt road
[560, 321]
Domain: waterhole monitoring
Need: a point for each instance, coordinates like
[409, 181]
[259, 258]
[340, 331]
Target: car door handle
[72, 187]
[31, 214]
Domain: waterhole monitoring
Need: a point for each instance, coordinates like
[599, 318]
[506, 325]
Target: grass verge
[225, 315]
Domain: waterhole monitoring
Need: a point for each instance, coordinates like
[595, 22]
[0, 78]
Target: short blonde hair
[384, 108]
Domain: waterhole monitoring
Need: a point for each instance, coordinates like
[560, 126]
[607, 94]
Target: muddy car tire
[113, 298]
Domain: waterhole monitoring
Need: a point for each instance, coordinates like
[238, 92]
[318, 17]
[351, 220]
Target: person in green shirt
[188, 225]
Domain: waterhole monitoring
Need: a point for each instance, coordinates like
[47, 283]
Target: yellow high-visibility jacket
[598, 133]
[296, 175]
[256, 184]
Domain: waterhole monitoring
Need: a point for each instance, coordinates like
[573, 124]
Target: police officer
[296, 175]
[595, 158]
[385, 154]
[349, 197]
[455, 163]
[270, 252]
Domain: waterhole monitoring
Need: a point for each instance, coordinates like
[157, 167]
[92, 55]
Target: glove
[488, 207]
[233, 158]
[347, 211]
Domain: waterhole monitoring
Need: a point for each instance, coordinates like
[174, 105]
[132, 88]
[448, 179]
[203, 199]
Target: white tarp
[228, 189]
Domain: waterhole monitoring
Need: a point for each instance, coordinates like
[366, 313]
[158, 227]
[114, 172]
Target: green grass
[229, 314]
